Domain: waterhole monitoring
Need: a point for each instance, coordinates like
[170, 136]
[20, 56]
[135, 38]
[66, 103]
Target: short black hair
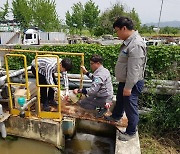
[124, 21]
[96, 58]
[67, 64]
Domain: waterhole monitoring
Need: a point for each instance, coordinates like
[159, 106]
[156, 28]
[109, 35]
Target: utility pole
[160, 15]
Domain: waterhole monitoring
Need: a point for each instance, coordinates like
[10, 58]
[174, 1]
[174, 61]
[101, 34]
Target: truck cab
[31, 36]
[154, 42]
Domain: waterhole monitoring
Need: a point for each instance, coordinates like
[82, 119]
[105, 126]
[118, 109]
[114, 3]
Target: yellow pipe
[25, 71]
[47, 52]
[18, 84]
[9, 86]
[81, 72]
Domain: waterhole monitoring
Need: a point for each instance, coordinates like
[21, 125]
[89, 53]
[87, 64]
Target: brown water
[90, 144]
[80, 144]
[26, 146]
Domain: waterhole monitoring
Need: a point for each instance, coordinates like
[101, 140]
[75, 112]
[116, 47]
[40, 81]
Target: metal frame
[13, 110]
[48, 114]
[41, 114]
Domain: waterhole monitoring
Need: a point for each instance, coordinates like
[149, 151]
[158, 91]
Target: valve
[21, 102]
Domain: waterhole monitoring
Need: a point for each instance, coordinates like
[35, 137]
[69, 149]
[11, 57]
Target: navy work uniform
[101, 90]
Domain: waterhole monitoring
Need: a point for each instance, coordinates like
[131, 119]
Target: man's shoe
[110, 118]
[125, 136]
[101, 113]
[47, 108]
[53, 103]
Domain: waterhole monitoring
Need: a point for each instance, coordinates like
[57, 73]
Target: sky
[148, 10]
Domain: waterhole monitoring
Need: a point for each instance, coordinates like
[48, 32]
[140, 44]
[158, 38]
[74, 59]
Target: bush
[163, 63]
[164, 116]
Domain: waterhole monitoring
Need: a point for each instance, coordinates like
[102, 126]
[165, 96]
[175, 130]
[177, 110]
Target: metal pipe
[166, 82]
[28, 103]
[73, 83]
[22, 108]
[47, 52]
[161, 91]
[13, 74]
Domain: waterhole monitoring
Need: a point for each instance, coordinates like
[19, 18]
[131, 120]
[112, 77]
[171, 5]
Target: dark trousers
[91, 102]
[43, 90]
[129, 104]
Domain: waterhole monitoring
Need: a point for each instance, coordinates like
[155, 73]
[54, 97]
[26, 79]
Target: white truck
[154, 42]
[36, 37]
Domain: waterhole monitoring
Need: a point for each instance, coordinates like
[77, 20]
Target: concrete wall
[39, 129]
[2, 53]
[10, 37]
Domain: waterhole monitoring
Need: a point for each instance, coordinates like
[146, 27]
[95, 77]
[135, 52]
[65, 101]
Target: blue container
[21, 101]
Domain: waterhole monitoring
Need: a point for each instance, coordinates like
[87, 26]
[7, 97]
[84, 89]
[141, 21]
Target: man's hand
[75, 91]
[126, 92]
[84, 69]
[55, 90]
[108, 105]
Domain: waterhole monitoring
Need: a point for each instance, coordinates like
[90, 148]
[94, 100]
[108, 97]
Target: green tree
[144, 29]
[69, 19]
[166, 30]
[44, 15]
[77, 16]
[150, 29]
[105, 25]
[40, 13]
[69, 22]
[22, 13]
[134, 16]
[110, 15]
[5, 11]
[174, 30]
[75, 20]
[116, 11]
[90, 15]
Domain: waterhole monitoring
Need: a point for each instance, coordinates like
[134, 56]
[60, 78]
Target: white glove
[62, 96]
[108, 105]
[67, 92]
[55, 90]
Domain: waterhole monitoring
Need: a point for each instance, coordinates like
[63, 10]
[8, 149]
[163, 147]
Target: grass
[152, 143]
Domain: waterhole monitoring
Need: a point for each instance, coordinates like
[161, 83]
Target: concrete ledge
[96, 128]
[50, 131]
[4, 117]
[45, 130]
[127, 147]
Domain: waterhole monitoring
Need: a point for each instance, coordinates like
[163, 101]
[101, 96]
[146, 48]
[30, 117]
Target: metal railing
[43, 114]
[40, 113]
[26, 84]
